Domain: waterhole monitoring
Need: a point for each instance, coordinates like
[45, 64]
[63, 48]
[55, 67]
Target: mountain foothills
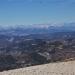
[23, 46]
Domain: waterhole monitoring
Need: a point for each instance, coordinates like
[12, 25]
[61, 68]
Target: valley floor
[60, 68]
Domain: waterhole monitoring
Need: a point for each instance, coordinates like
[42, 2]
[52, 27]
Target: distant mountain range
[28, 45]
[36, 28]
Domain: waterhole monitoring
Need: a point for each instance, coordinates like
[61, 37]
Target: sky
[25, 12]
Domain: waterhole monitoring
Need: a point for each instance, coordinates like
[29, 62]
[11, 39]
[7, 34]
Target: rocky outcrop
[60, 68]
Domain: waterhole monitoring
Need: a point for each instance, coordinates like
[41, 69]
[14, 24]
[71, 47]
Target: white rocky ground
[60, 68]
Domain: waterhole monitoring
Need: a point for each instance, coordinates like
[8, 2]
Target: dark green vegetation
[24, 51]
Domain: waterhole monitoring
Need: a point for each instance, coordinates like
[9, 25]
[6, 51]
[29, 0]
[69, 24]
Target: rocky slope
[60, 68]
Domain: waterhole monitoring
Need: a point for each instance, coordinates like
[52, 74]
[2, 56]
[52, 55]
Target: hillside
[24, 51]
[22, 46]
[60, 68]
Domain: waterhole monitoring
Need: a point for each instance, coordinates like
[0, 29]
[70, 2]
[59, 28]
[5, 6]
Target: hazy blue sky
[36, 11]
